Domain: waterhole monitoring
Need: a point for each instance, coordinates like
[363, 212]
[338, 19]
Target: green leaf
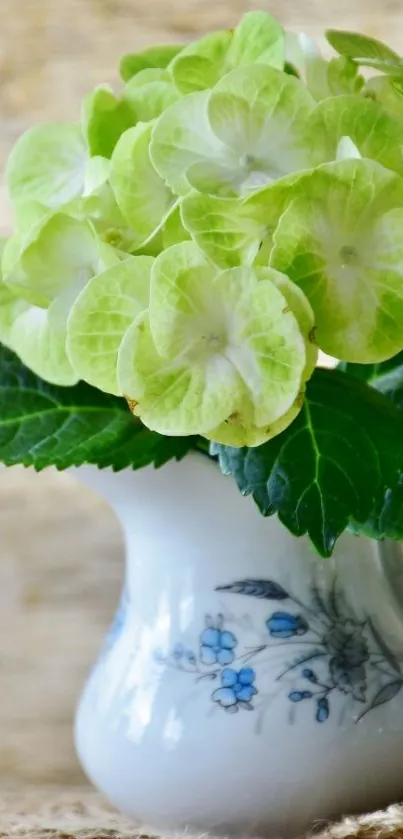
[158, 57]
[105, 118]
[48, 165]
[43, 425]
[369, 52]
[388, 91]
[333, 464]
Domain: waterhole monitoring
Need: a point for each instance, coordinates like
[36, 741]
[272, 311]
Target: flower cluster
[199, 235]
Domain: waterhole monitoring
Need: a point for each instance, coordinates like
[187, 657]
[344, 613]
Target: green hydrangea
[200, 234]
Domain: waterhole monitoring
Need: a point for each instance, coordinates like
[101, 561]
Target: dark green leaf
[366, 51]
[387, 377]
[335, 463]
[44, 425]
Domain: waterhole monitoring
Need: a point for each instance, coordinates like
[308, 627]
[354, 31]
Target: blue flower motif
[285, 625]
[307, 673]
[216, 646]
[300, 695]
[322, 709]
[236, 688]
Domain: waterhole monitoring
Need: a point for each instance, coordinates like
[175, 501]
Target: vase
[246, 686]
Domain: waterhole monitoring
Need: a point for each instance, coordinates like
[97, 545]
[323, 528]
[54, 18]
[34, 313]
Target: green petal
[173, 397]
[10, 306]
[173, 231]
[153, 57]
[180, 290]
[302, 311]
[388, 92]
[257, 38]
[202, 63]
[343, 77]
[303, 54]
[140, 192]
[261, 115]
[64, 252]
[225, 229]
[376, 134]
[149, 93]
[97, 173]
[42, 347]
[101, 315]
[237, 314]
[238, 431]
[340, 241]
[183, 137]
[47, 165]
[105, 118]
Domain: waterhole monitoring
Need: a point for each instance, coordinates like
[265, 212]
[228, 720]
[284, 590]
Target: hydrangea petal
[48, 165]
[102, 313]
[140, 192]
[339, 240]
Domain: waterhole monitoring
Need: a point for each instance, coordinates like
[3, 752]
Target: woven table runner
[54, 813]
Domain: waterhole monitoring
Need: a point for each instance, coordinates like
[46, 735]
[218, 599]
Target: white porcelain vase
[246, 687]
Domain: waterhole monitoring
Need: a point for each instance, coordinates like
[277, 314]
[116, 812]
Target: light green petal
[48, 164]
[153, 57]
[343, 77]
[257, 38]
[65, 252]
[302, 311]
[197, 312]
[173, 231]
[238, 431]
[376, 134]
[303, 53]
[96, 174]
[226, 230]
[140, 192]
[182, 137]
[261, 115]
[174, 397]
[100, 316]
[10, 305]
[340, 241]
[150, 93]
[42, 347]
[201, 64]
[264, 341]
[388, 92]
[181, 298]
[105, 118]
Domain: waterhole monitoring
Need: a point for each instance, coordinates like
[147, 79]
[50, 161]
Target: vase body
[245, 686]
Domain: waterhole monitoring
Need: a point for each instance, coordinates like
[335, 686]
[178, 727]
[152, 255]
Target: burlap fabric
[77, 813]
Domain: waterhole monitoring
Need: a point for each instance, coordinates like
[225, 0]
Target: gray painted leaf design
[264, 589]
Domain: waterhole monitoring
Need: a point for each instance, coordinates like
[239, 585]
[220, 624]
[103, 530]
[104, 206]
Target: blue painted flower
[236, 688]
[322, 709]
[285, 625]
[300, 695]
[217, 645]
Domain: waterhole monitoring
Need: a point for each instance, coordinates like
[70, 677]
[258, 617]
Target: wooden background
[60, 548]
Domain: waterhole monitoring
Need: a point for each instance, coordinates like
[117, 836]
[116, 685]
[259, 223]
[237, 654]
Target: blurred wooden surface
[60, 548]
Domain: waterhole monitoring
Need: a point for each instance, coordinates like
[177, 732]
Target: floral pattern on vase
[342, 655]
